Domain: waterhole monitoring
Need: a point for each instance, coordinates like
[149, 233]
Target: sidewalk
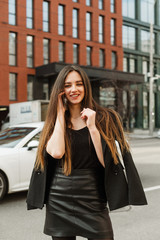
[142, 134]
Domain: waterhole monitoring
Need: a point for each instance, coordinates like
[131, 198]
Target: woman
[79, 164]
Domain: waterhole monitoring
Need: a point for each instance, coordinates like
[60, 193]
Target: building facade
[37, 38]
[137, 18]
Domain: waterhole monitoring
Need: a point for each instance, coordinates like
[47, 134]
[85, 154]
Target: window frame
[89, 57]
[101, 57]
[32, 83]
[114, 53]
[11, 14]
[89, 29]
[75, 25]
[101, 29]
[63, 51]
[28, 17]
[47, 59]
[113, 31]
[61, 21]
[77, 53]
[32, 55]
[15, 49]
[101, 4]
[10, 87]
[46, 22]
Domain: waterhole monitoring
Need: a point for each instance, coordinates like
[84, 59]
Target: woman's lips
[74, 96]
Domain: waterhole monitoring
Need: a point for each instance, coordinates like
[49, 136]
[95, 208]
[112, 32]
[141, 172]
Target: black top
[83, 153]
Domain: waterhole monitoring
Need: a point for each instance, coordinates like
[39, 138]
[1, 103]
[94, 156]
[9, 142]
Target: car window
[36, 137]
[10, 137]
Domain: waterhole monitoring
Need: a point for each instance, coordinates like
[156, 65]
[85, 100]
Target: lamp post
[151, 80]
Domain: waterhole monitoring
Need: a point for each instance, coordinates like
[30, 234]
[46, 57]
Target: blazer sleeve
[37, 188]
[135, 189]
[122, 191]
[36, 191]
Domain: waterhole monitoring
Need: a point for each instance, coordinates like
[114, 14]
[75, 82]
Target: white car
[18, 146]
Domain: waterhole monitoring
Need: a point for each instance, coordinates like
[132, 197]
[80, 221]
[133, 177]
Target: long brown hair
[107, 121]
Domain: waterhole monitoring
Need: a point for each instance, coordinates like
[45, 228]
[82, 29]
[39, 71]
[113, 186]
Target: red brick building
[52, 33]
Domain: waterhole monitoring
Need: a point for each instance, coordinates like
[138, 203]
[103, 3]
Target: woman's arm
[89, 116]
[56, 144]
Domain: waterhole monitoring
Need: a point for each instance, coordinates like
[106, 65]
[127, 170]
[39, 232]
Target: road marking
[151, 188]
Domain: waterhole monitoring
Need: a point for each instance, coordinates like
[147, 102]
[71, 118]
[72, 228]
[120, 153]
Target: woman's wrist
[92, 129]
[60, 115]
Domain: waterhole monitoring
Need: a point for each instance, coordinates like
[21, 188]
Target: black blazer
[121, 189]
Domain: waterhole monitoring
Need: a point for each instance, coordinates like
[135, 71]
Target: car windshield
[10, 137]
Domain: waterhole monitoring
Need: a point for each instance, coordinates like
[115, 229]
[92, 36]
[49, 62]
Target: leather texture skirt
[76, 206]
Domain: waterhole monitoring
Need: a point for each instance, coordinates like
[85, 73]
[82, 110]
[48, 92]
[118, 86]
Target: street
[139, 223]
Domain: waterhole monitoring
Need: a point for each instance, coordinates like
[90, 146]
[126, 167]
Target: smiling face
[74, 88]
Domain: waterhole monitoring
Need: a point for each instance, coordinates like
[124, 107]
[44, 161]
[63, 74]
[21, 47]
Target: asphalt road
[139, 223]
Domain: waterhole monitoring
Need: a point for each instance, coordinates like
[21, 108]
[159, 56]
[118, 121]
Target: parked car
[18, 146]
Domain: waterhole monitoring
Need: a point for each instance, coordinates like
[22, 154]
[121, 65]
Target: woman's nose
[74, 88]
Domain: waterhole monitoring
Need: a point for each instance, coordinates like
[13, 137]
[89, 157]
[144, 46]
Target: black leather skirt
[76, 206]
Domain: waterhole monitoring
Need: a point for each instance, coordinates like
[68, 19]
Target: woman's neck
[75, 111]
[76, 120]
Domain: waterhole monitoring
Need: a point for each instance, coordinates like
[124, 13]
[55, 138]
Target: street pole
[151, 80]
[151, 107]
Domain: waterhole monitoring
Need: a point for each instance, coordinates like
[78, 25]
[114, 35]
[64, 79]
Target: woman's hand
[60, 106]
[89, 116]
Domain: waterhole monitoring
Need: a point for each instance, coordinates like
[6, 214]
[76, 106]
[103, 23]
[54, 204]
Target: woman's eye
[66, 86]
[79, 84]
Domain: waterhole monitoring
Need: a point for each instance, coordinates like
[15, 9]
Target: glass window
[89, 52]
[29, 13]
[128, 8]
[114, 60]
[75, 23]
[75, 53]
[74, 0]
[147, 11]
[30, 81]
[113, 32]
[130, 64]
[101, 29]
[10, 137]
[12, 49]
[61, 51]
[36, 138]
[112, 6]
[61, 20]
[107, 96]
[46, 51]
[12, 86]
[145, 41]
[101, 58]
[101, 4]
[45, 16]
[129, 37]
[45, 89]
[125, 65]
[30, 55]
[88, 2]
[12, 12]
[88, 26]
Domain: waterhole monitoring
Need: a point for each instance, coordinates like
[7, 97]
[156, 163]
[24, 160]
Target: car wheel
[3, 186]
